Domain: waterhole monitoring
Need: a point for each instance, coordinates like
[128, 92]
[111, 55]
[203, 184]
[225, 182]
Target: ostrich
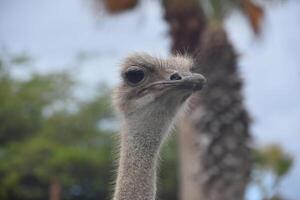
[151, 94]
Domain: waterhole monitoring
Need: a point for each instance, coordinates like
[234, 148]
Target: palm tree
[214, 140]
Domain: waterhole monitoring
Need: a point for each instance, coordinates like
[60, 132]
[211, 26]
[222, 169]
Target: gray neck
[136, 174]
[141, 139]
[137, 166]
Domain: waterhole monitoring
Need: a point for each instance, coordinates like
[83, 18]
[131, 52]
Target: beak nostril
[175, 76]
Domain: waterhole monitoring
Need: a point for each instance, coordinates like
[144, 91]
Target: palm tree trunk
[214, 140]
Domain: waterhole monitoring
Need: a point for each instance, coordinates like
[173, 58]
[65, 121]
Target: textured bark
[187, 23]
[214, 140]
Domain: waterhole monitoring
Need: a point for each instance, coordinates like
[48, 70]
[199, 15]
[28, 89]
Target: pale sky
[55, 32]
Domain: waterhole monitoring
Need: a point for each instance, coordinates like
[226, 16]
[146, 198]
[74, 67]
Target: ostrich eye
[135, 76]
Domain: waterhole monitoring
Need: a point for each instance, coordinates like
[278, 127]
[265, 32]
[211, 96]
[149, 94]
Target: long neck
[137, 166]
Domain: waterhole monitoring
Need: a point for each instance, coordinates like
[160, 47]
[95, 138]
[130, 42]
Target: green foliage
[168, 179]
[42, 140]
[270, 160]
[273, 158]
[22, 103]
[22, 58]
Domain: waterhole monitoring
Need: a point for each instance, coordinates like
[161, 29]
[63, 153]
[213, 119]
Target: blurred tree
[22, 102]
[214, 139]
[115, 6]
[49, 150]
[270, 160]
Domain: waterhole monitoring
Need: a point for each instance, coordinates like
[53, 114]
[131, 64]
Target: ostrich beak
[192, 83]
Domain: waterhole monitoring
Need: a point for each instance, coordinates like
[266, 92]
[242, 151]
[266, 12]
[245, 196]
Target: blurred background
[59, 62]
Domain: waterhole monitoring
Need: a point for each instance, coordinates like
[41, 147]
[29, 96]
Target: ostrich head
[149, 97]
[153, 90]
